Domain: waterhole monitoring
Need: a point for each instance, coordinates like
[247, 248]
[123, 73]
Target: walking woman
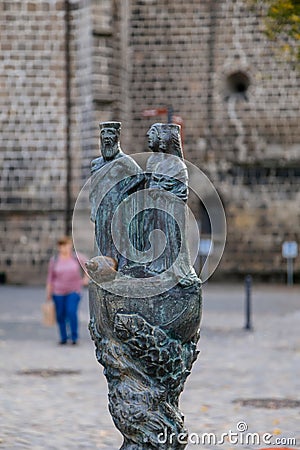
[64, 285]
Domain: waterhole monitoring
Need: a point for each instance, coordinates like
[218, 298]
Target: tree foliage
[282, 23]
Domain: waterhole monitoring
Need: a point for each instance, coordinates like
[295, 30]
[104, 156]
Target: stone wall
[33, 133]
[111, 64]
[33, 128]
[215, 67]
[210, 61]
[239, 101]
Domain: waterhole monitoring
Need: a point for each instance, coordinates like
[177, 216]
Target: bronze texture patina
[145, 297]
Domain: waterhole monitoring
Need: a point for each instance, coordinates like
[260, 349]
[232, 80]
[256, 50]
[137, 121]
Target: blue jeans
[66, 312]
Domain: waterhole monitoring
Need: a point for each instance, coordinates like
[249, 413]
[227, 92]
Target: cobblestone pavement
[70, 411]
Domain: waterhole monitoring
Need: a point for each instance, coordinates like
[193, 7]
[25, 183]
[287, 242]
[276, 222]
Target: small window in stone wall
[237, 84]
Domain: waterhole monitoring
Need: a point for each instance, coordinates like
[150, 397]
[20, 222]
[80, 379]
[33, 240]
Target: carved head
[154, 137]
[170, 140]
[110, 139]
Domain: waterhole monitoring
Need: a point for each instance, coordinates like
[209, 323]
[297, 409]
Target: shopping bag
[48, 311]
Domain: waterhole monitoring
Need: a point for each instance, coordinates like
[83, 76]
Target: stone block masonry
[237, 96]
[239, 100]
[33, 127]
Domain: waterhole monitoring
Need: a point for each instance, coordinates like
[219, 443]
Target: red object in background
[178, 120]
[155, 112]
[160, 112]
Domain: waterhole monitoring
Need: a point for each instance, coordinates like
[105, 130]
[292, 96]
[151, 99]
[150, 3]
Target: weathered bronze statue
[145, 313]
[114, 177]
[169, 182]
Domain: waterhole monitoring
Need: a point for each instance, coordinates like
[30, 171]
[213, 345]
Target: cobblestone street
[57, 410]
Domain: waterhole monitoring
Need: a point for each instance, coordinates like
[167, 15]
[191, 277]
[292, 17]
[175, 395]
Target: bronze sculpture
[146, 340]
[169, 175]
[122, 177]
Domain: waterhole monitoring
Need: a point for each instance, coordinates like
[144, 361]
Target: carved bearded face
[109, 143]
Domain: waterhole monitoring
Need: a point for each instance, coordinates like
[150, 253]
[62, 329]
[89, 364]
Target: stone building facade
[67, 65]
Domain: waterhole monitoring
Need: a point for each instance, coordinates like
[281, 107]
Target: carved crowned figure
[168, 184]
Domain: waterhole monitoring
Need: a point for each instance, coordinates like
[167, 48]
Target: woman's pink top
[65, 275]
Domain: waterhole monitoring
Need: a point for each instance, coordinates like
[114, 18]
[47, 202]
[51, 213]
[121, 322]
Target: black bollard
[248, 309]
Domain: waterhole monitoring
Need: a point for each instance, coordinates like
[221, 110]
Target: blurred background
[228, 72]
[210, 66]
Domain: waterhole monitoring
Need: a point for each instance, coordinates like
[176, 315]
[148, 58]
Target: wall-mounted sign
[290, 249]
